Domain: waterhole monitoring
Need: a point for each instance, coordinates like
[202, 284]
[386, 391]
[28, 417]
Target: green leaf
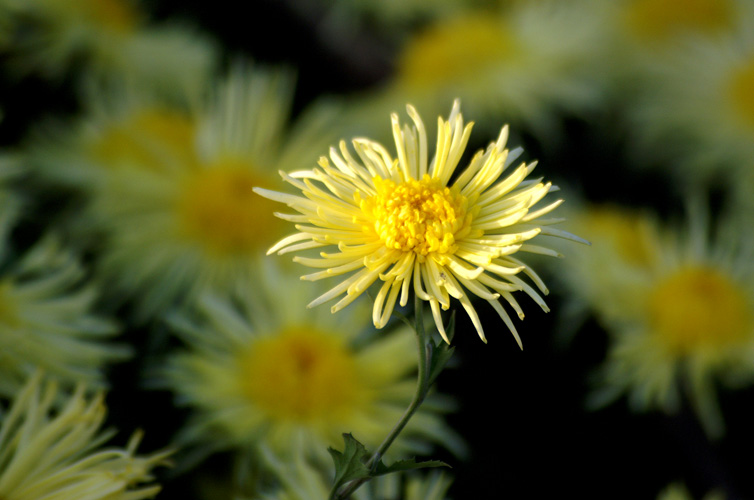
[404, 465]
[349, 464]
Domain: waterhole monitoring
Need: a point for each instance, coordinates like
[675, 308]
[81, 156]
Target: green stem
[422, 388]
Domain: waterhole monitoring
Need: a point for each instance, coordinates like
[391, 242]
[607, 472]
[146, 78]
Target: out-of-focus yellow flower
[524, 62]
[682, 315]
[270, 373]
[171, 187]
[50, 453]
[403, 222]
[114, 37]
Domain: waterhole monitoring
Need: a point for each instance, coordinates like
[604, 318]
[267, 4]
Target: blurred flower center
[150, 138]
[658, 20]
[218, 208]
[117, 15]
[624, 231]
[301, 374]
[459, 48]
[697, 308]
[742, 92]
[420, 216]
[8, 308]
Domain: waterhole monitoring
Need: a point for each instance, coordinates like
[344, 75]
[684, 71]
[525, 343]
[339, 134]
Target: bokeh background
[523, 413]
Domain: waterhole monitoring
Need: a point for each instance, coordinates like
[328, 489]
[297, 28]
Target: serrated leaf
[350, 463]
[404, 465]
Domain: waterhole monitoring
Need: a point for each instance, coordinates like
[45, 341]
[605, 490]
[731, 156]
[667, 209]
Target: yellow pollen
[698, 308]
[741, 92]
[218, 208]
[118, 15]
[8, 307]
[420, 216]
[152, 139]
[659, 20]
[302, 375]
[460, 48]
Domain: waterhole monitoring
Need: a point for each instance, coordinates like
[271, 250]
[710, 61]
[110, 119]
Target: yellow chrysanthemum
[171, 194]
[57, 453]
[681, 316]
[403, 222]
[523, 61]
[269, 373]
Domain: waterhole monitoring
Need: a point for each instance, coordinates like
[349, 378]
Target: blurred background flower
[265, 372]
[51, 450]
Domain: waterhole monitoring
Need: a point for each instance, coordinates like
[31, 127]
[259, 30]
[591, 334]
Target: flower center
[741, 92]
[417, 216]
[459, 48]
[657, 20]
[150, 138]
[301, 374]
[117, 15]
[698, 308]
[218, 208]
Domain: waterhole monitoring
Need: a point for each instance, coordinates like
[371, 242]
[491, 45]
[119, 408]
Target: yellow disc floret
[698, 308]
[657, 20]
[741, 92]
[420, 216]
[301, 375]
[217, 208]
[459, 48]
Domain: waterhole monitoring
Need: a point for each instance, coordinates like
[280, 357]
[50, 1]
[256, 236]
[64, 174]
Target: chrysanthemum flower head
[524, 61]
[46, 452]
[414, 224]
[268, 372]
[683, 318]
[171, 189]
